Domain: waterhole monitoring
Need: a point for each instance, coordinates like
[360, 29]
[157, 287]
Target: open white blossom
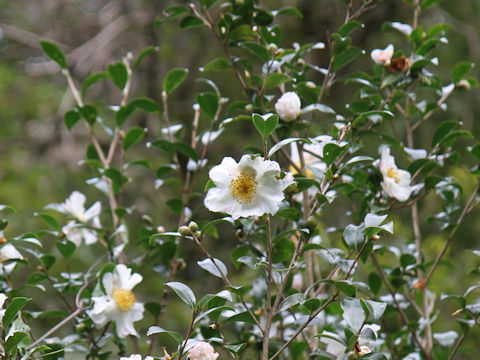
[8, 252]
[384, 56]
[251, 187]
[396, 182]
[135, 357]
[119, 304]
[288, 106]
[203, 351]
[75, 206]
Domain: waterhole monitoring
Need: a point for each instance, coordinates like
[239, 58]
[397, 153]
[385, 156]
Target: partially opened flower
[119, 304]
[384, 56]
[251, 187]
[203, 351]
[9, 252]
[396, 182]
[288, 106]
[75, 206]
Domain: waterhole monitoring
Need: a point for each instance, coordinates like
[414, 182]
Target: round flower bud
[193, 226]
[288, 106]
[351, 355]
[184, 231]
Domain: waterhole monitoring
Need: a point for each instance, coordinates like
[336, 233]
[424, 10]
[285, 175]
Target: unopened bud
[193, 226]
[147, 220]
[251, 340]
[184, 231]
[272, 48]
[198, 234]
[351, 355]
[81, 327]
[161, 229]
[375, 237]
[181, 264]
[464, 84]
[311, 84]
[40, 268]
[3, 240]
[212, 326]
[249, 108]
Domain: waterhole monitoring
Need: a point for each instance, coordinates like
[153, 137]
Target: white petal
[104, 310]
[3, 297]
[124, 320]
[222, 174]
[93, 211]
[218, 199]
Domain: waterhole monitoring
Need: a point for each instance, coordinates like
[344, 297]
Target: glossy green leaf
[347, 28]
[265, 124]
[133, 135]
[353, 313]
[15, 305]
[275, 80]
[158, 330]
[173, 79]
[345, 57]
[54, 53]
[217, 64]
[118, 74]
[89, 113]
[184, 292]
[190, 21]
[209, 266]
[208, 102]
[71, 118]
[93, 79]
[66, 248]
[460, 71]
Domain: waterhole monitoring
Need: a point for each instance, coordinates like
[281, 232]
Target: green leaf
[275, 80]
[184, 292]
[14, 340]
[93, 79]
[443, 130]
[158, 330]
[374, 282]
[118, 74]
[460, 71]
[50, 220]
[242, 33]
[383, 113]
[116, 176]
[285, 142]
[257, 50]
[12, 309]
[71, 118]
[283, 250]
[208, 3]
[186, 150]
[89, 113]
[288, 10]
[345, 57]
[347, 28]
[374, 308]
[133, 135]
[173, 79]
[331, 152]
[217, 64]
[146, 104]
[374, 356]
[265, 126]
[176, 205]
[353, 313]
[66, 248]
[208, 102]
[209, 266]
[190, 21]
[290, 301]
[54, 53]
[290, 213]
[146, 51]
[47, 261]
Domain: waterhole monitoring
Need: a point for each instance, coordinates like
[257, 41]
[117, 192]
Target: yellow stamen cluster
[394, 174]
[243, 188]
[124, 298]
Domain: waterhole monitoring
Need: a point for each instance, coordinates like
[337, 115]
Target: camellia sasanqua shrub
[324, 208]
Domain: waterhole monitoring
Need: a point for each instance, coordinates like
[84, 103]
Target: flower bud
[351, 355]
[364, 350]
[464, 84]
[193, 226]
[288, 106]
[184, 231]
[197, 234]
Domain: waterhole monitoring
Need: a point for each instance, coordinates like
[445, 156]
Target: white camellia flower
[384, 56]
[250, 188]
[119, 304]
[203, 351]
[8, 252]
[288, 106]
[75, 206]
[135, 357]
[396, 182]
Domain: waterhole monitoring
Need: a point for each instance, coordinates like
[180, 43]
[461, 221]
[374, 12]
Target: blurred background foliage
[40, 159]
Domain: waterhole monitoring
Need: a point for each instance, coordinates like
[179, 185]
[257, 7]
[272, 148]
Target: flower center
[243, 188]
[124, 298]
[394, 174]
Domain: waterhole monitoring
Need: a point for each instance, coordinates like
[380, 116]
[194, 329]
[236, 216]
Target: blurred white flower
[396, 182]
[75, 206]
[8, 252]
[288, 106]
[250, 188]
[135, 357]
[119, 304]
[203, 351]
[384, 56]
